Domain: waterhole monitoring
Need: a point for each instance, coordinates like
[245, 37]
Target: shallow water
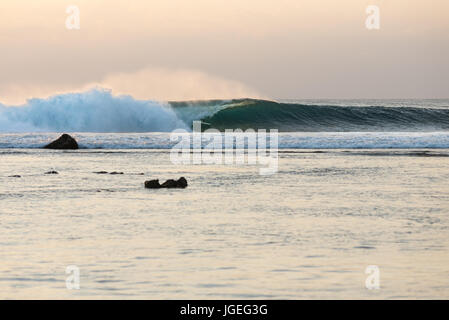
[290, 140]
[308, 231]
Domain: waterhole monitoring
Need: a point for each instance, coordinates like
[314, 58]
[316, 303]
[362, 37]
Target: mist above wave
[96, 110]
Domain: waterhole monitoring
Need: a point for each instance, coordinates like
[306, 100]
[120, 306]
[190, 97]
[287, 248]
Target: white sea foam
[98, 119]
[297, 140]
[96, 110]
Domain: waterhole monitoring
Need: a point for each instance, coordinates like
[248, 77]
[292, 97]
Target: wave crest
[292, 117]
[98, 110]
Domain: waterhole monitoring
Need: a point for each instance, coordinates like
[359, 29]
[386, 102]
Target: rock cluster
[154, 184]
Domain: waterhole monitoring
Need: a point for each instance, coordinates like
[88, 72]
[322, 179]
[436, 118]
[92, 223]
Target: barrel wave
[290, 117]
[98, 110]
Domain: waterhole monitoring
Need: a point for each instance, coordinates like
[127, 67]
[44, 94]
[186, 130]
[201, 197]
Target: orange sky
[178, 49]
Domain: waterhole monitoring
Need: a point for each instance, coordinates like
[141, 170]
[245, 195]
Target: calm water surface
[309, 231]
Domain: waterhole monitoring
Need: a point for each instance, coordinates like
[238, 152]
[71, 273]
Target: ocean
[360, 185]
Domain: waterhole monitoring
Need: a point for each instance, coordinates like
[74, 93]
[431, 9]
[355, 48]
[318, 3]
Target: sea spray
[96, 110]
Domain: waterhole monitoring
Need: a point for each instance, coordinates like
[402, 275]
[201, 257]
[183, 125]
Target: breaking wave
[98, 110]
[92, 111]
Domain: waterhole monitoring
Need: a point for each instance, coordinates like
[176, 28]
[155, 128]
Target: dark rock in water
[105, 172]
[154, 184]
[64, 142]
[106, 190]
[15, 176]
[52, 172]
[169, 184]
[182, 182]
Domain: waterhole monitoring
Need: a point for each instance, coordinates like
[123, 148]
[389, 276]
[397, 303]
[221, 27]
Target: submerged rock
[180, 183]
[64, 142]
[105, 172]
[154, 184]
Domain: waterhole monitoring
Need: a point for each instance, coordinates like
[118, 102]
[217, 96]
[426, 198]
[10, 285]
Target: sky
[202, 49]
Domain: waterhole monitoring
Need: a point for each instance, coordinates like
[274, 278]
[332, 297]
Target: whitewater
[99, 119]
[359, 183]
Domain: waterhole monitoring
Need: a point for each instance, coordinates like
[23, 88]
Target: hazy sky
[186, 49]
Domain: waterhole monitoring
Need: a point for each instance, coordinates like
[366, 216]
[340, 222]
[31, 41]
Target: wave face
[291, 117]
[99, 111]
